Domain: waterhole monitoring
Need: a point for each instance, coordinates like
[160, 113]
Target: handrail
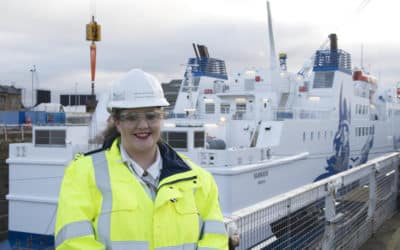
[327, 214]
[10, 130]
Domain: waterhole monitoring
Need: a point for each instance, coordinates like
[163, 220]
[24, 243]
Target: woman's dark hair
[111, 132]
[107, 136]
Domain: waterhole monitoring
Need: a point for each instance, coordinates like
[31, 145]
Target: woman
[138, 193]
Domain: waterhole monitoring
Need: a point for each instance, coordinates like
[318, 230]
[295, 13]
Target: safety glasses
[132, 116]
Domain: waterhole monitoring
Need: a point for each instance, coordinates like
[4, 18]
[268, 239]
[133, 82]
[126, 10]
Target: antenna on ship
[362, 57]
[93, 34]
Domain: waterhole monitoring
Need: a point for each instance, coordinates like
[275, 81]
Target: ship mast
[273, 58]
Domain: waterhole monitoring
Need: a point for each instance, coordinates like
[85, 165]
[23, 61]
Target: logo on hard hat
[145, 94]
[119, 96]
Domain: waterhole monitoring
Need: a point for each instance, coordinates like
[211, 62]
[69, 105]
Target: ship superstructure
[266, 132]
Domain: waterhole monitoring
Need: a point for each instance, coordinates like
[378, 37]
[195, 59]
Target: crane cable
[93, 7]
[358, 10]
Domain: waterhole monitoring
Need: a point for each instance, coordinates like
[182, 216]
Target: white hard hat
[136, 89]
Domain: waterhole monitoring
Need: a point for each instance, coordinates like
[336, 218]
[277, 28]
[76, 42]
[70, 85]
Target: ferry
[260, 133]
[266, 132]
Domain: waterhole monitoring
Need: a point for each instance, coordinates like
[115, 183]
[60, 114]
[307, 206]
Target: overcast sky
[157, 36]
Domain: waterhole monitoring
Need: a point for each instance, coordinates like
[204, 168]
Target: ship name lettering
[260, 174]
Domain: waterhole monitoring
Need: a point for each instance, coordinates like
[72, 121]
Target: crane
[93, 34]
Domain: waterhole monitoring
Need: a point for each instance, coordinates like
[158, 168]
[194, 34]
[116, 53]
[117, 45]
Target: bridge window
[199, 141]
[225, 108]
[241, 107]
[50, 137]
[323, 79]
[210, 108]
[177, 140]
[193, 86]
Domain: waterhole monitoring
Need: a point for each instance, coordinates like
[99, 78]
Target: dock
[8, 134]
[387, 237]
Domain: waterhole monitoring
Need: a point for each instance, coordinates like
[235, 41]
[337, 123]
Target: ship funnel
[333, 40]
[203, 51]
[195, 51]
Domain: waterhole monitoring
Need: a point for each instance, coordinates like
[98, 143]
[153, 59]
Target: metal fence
[11, 133]
[340, 212]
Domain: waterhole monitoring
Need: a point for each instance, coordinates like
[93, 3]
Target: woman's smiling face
[140, 128]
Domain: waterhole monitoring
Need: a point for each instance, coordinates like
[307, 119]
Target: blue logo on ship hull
[341, 159]
[396, 142]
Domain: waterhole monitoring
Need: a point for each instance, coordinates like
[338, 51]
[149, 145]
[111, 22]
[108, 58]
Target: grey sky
[156, 35]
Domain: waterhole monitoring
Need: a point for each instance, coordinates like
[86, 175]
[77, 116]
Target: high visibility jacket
[102, 205]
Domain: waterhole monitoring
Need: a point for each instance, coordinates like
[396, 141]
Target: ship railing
[172, 115]
[13, 132]
[302, 114]
[338, 212]
[243, 115]
[278, 115]
[196, 115]
[232, 156]
[239, 115]
[221, 87]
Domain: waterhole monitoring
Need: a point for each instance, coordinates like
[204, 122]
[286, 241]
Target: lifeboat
[359, 75]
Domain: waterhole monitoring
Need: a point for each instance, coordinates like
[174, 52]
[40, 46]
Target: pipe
[93, 64]
[334, 43]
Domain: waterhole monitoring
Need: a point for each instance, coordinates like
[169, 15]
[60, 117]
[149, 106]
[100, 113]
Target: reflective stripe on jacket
[103, 206]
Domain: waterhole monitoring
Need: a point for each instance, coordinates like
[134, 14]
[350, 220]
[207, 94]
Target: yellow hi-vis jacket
[103, 206]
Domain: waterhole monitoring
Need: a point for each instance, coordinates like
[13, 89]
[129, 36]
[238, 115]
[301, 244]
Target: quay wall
[8, 134]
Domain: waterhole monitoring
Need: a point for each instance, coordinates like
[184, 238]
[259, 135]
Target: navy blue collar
[172, 163]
